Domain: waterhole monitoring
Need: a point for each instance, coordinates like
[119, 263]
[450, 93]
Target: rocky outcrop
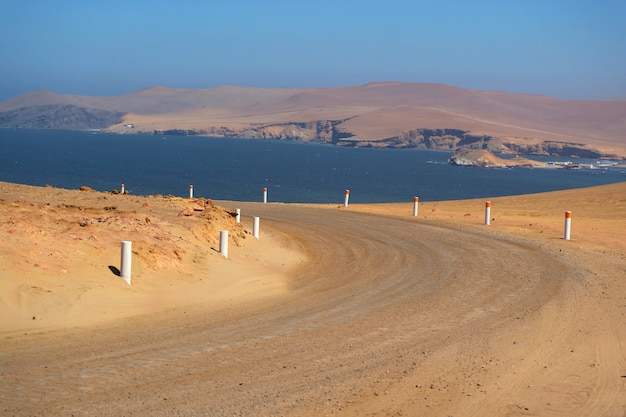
[324, 131]
[551, 148]
[434, 139]
[180, 132]
[484, 158]
[56, 116]
[441, 139]
[455, 139]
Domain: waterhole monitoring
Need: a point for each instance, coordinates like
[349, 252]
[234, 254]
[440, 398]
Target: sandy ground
[358, 311]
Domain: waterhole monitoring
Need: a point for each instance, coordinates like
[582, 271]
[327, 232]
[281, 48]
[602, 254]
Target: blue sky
[566, 49]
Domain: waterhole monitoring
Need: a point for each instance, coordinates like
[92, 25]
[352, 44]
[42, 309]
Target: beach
[363, 310]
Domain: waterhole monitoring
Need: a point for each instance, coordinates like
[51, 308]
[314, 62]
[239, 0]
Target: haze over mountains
[423, 116]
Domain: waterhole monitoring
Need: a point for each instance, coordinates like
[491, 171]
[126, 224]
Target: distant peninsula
[384, 114]
[485, 159]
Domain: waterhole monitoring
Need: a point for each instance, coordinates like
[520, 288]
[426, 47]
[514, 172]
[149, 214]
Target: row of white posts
[568, 220]
[256, 221]
[568, 214]
[125, 266]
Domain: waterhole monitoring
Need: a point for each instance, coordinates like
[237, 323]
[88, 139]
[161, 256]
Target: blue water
[237, 169]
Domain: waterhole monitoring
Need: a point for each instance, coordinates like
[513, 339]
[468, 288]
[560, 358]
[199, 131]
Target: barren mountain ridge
[385, 114]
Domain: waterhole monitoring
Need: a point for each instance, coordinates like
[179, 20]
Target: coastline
[291, 172]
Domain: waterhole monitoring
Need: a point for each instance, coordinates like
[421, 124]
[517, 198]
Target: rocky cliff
[324, 131]
[455, 139]
[485, 159]
[59, 116]
[400, 115]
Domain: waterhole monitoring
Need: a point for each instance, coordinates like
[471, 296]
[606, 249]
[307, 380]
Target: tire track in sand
[379, 297]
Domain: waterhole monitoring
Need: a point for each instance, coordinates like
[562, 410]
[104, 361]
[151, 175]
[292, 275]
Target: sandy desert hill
[412, 115]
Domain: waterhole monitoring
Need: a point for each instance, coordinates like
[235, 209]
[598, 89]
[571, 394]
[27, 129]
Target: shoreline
[619, 157]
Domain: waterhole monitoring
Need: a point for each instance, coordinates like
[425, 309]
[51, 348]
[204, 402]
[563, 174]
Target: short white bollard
[126, 260]
[568, 225]
[255, 226]
[488, 213]
[224, 243]
[415, 203]
[265, 195]
[122, 188]
[347, 199]
[191, 191]
[238, 216]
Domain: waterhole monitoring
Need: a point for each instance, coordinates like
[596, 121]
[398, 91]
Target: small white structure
[224, 243]
[125, 264]
[255, 226]
[568, 225]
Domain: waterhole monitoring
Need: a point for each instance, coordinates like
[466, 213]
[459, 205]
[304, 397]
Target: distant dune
[387, 114]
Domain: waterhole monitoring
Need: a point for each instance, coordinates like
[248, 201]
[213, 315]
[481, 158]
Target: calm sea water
[229, 169]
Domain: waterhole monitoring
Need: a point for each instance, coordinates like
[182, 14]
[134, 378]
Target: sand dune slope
[354, 311]
[372, 112]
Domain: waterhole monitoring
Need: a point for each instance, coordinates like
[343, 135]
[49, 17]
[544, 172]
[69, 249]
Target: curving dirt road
[389, 317]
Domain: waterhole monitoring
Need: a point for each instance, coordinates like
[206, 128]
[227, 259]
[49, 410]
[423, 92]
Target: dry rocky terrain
[384, 114]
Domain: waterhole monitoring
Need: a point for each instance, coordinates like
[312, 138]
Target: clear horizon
[563, 49]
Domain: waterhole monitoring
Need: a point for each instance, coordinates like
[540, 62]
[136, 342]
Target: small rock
[186, 212]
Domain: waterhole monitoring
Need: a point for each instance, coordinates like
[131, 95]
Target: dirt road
[388, 317]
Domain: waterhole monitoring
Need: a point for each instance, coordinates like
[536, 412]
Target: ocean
[239, 169]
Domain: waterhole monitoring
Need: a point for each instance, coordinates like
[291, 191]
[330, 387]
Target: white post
[488, 213]
[122, 188]
[265, 195]
[191, 191]
[255, 227]
[224, 243]
[345, 202]
[238, 216]
[415, 202]
[126, 260]
[568, 225]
